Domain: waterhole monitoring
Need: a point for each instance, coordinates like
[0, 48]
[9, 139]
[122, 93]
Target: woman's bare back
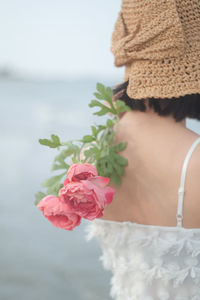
[156, 150]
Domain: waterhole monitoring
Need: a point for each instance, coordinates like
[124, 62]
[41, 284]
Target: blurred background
[52, 54]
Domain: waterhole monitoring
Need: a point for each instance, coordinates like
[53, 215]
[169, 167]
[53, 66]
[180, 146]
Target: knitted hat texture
[158, 42]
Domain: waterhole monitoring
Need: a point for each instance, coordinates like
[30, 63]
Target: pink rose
[58, 214]
[81, 171]
[87, 197]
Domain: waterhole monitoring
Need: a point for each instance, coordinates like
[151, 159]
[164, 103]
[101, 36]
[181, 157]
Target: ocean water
[38, 260]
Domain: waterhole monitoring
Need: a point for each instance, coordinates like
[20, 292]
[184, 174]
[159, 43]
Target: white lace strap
[179, 215]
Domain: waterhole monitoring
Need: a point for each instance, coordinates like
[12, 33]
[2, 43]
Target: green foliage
[94, 131]
[93, 153]
[110, 123]
[51, 181]
[106, 94]
[110, 137]
[53, 143]
[98, 147]
[121, 106]
[119, 147]
[104, 109]
[112, 164]
[53, 184]
[59, 161]
[88, 139]
[101, 127]
[39, 196]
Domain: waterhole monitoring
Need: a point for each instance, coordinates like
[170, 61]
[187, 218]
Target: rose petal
[98, 191]
[58, 213]
[79, 172]
[86, 198]
[66, 181]
[100, 181]
[109, 194]
[83, 198]
[65, 222]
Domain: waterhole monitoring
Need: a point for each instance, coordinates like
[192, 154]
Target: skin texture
[157, 146]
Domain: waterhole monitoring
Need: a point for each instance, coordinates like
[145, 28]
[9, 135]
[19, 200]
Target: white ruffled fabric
[149, 262]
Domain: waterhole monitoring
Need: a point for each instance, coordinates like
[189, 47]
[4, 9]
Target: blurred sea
[37, 260]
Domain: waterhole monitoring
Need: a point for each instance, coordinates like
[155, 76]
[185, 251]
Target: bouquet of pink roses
[95, 161]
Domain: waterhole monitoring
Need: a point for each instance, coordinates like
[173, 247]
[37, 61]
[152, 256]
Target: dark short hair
[187, 106]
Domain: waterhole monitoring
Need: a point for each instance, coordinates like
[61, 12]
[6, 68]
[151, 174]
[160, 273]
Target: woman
[150, 233]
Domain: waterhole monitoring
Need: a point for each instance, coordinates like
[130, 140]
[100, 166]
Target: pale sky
[59, 38]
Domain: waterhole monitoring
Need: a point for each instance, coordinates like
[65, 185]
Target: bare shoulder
[195, 160]
[192, 190]
[194, 166]
[122, 128]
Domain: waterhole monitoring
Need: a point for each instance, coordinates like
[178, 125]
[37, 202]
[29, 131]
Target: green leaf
[115, 179]
[105, 151]
[47, 142]
[94, 103]
[55, 139]
[107, 137]
[110, 137]
[63, 155]
[106, 93]
[112, 166]
[74, 160]
[104, 109]
[109, 92]
[99, 96]
[119, 147]
[121, 106]
[102, 112]
[88, 139]
[119, 169]
[59, 166]
[53, 143]
[72, 149]
[105, 134]
[54, 189]
[38, 197]
[59, 160]
[100, 128]
[94, 131]
[101, 88]
[122, 161]
[110, 123]
[53, 180]
[93, 152]
[104, 166]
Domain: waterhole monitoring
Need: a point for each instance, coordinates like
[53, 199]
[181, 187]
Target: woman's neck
[150, 118]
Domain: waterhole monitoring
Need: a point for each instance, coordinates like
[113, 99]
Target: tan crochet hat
[158, 41]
